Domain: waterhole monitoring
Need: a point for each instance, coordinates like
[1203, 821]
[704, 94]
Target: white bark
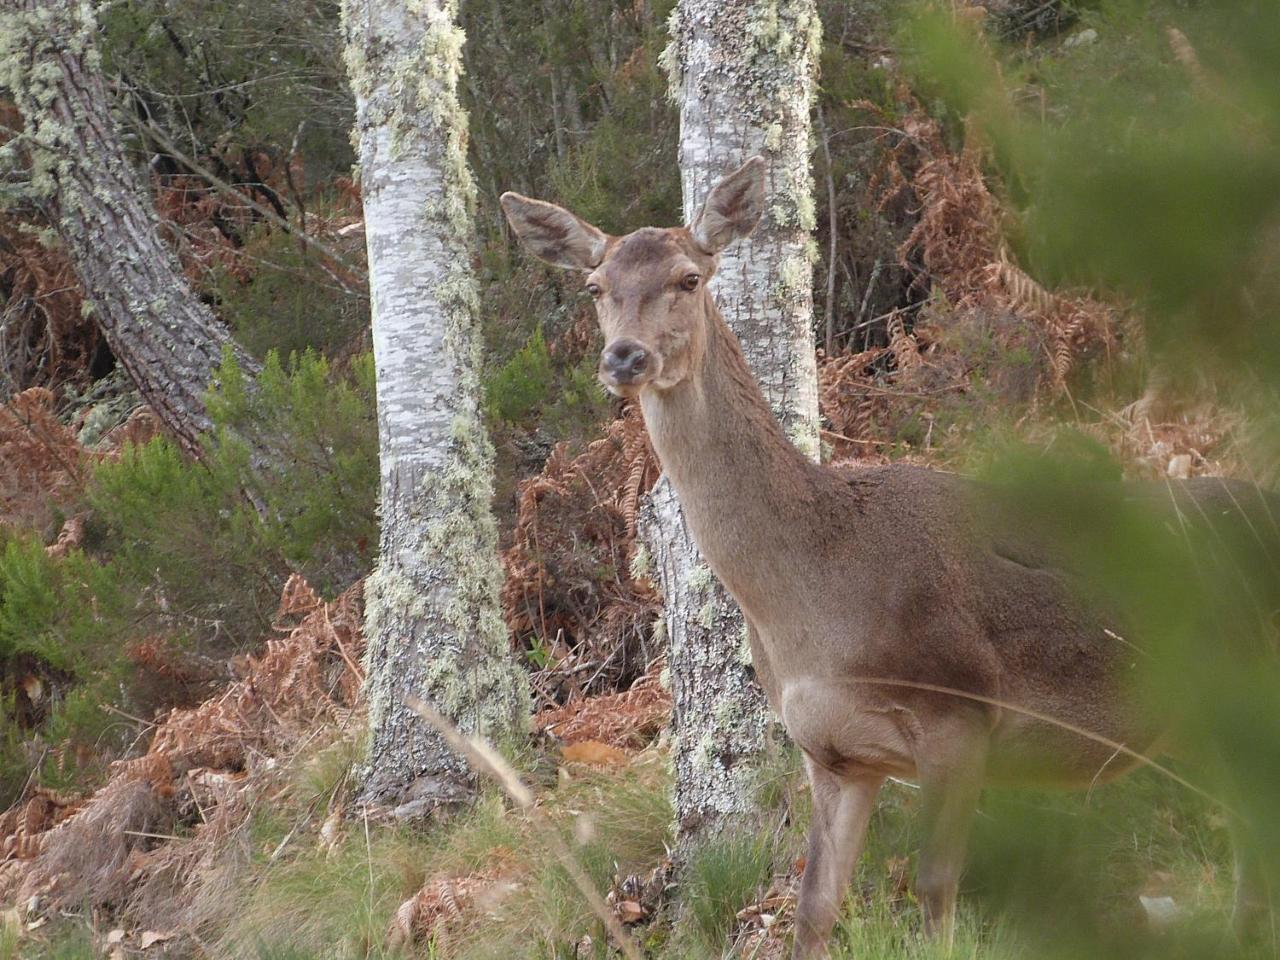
[433, 623]
[744, 74]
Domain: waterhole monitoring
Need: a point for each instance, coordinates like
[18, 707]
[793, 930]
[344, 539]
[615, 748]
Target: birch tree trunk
[744, 73]
[433, 624]
[164, 337]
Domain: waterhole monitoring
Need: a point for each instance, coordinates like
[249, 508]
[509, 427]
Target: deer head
[650, 286]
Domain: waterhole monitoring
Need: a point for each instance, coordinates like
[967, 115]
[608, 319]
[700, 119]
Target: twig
[128, 716]
[258, 208]
[841, 436]
[368, 849]
[191, 785]
[31, 775]
[483, 758]
[153, 836]
[342, 651]
[866, 295]
[884, 316]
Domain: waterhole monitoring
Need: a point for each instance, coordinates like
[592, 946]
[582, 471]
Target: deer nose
[624, 360]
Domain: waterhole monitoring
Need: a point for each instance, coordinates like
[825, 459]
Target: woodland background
[180, 671]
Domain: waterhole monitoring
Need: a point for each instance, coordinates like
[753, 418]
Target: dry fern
[41, 463]
[439, 912]
[48, 340]
[628, 720]
[570, 589]
[200, 759]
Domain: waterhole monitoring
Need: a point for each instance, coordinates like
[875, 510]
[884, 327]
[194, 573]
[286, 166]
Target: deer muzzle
[626, 363]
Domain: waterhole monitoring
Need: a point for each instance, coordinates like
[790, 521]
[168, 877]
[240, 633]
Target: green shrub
[52, 608]
[185, 540]
[291, 302]
[536, 390]
[320, 501]
[188, 537]
[519, 388]
[61, 623]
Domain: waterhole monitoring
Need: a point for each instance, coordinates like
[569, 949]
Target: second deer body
[889, 573]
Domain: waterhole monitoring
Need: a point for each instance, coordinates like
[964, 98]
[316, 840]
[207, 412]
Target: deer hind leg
[842, 807]
[951, 772]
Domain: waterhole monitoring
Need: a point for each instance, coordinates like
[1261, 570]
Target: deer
[995, 671]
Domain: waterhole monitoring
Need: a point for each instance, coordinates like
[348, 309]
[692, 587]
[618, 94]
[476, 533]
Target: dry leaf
[331, 829]
[151, 937]
[584, 829]
[115, 936]
[33, 687]
[1161, 911]
[629, 911]
[593, 751]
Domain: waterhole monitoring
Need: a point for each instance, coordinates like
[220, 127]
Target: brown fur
[894, 572]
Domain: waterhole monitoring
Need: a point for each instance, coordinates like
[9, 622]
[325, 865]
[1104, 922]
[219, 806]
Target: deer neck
[740, 482]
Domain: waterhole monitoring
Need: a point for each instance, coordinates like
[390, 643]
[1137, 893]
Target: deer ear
[732, 208]
[554, 234]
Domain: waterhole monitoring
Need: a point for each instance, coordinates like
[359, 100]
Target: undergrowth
[169, 569]
[63, 621]
[1052, 873]
[216, 560]
[344, 899]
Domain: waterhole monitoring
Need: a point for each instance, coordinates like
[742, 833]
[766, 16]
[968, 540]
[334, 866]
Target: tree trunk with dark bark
[744, 74]
[164, 337]
[433, 623]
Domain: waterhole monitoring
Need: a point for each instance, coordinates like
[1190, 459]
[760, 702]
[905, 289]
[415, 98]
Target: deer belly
[842, 732]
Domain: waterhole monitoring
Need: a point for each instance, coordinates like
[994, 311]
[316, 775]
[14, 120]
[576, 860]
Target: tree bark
[165, 338]
[744, 74]
[433, 624]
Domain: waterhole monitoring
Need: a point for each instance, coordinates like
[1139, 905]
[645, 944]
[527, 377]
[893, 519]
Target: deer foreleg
[842, 807]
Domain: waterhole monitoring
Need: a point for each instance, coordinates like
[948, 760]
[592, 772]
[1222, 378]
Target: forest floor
[297, 878]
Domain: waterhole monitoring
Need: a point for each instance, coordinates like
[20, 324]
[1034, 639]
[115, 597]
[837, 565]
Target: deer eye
[690, 281]
[593, 289]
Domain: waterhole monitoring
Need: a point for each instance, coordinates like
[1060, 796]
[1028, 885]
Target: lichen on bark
[432, 618]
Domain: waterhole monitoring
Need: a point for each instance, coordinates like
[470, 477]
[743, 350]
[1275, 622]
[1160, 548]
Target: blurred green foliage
[1145, 161]
[1148, 164]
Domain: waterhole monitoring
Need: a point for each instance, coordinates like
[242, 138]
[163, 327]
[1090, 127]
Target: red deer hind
[842, 576]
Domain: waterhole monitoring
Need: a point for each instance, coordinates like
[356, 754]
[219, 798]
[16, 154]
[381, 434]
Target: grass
[1050, 875]
[339, 901]
[723, 877]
